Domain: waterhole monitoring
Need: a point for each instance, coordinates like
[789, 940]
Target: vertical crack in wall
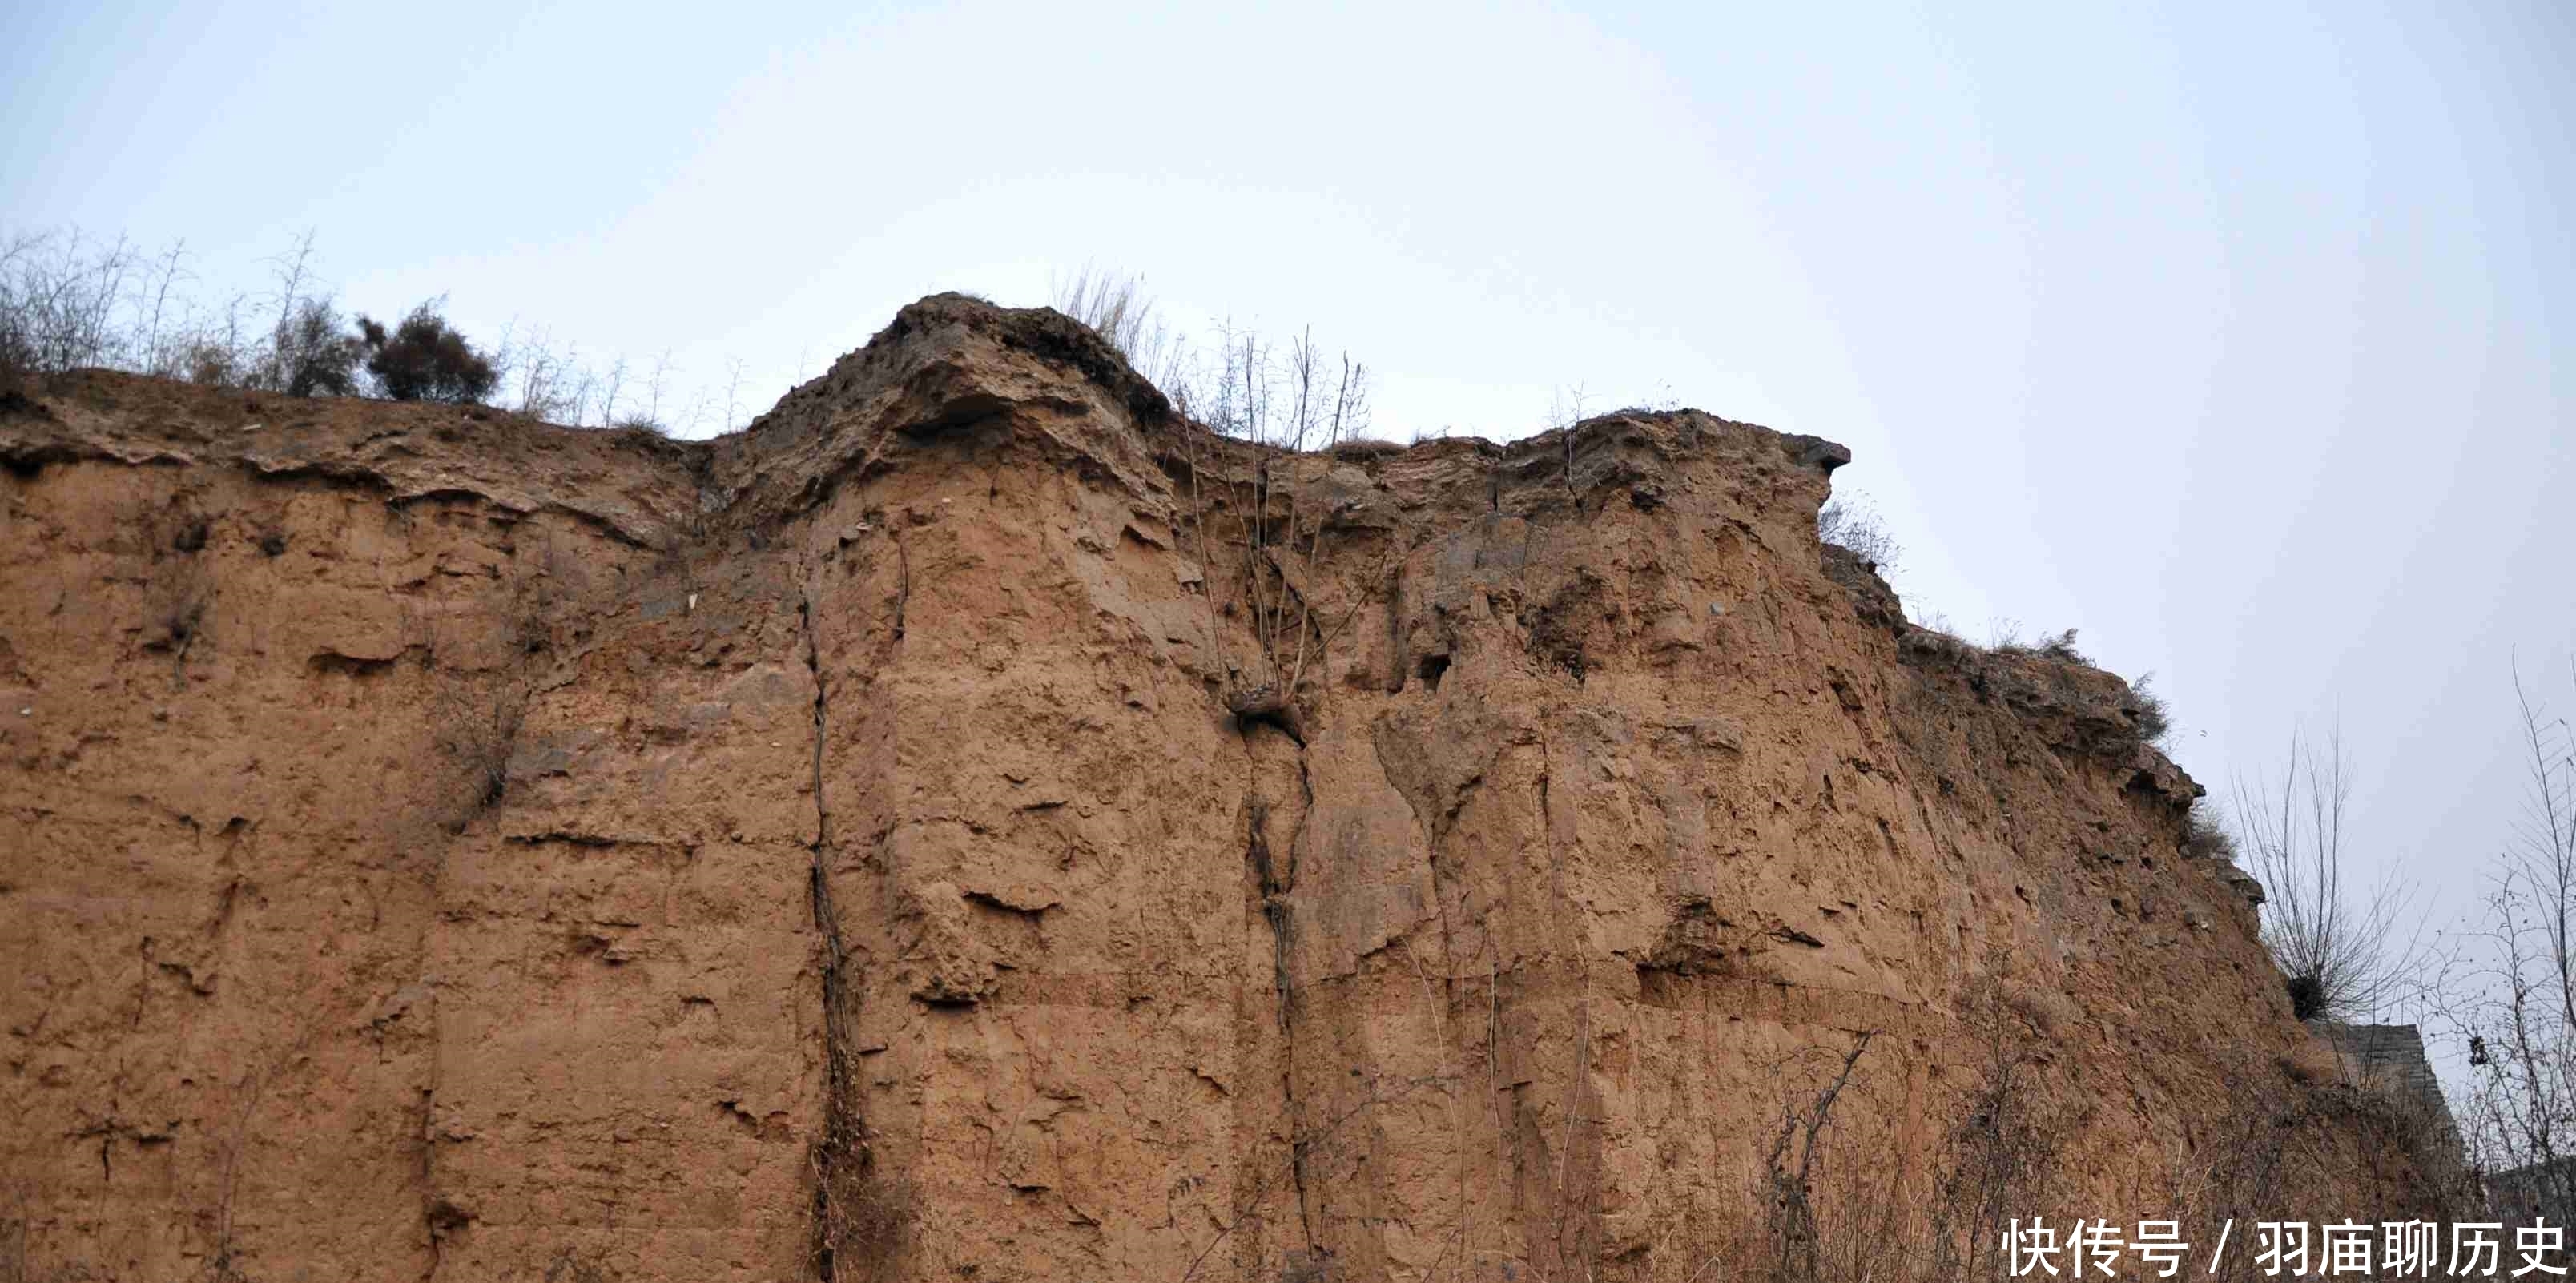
[1303, 1144]
[1562, 1179]
[841, 1154]
[1274, 907]
[1273, 882]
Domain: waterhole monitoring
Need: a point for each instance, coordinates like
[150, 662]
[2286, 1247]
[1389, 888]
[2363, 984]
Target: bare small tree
[655, 386]
[581, 381]
[610, 384]
[2509, 988]
[2345, 952]
[542, 382]
[157, 349]
[2543, 856]
[1292, 405]
[301, 357]
[1303, 404]
[1567, 407]
[1795, 1249]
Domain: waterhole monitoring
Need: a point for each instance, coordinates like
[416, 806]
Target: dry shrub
[60, 301]
[1852, 525]
[1845, 1193]
[1308, 1267]
[1365, 449]
[2061, 647]
[13, 1248]
[1882, 1210]
[2147, 710]
[423, 358]
[2001, 1159]
[2204, 837]
[864, 1219]
[69, 301]
[478, 713]
[179, 584]
[314, 353]
[2286, 1149]
[1293, 402]
[18, 1264]
[1936, 643]
[478, 723]
[570, 1268]
[1273, 528]
[1792, 1243]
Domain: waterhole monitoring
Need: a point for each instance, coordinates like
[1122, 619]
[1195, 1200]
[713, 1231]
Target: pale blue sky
[2232, 334]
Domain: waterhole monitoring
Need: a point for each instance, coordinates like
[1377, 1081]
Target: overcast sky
[2235, 335]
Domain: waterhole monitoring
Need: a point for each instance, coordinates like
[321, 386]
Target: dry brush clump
[1843, 1186]
[863, 1217]
[2001, 1159]
[65, 302]
[2291, 1143]
[1875, 1194]
[178, 583]
[2205, 835]
[2147, 715]
[1852, 525]
[1805, 1226]
[478, 723]
[423, 358]
[15, 1263]
[314, 352]
[485, 675]
[1883, 1167]
[68, 301]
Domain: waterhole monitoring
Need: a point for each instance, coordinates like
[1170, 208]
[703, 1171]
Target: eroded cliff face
[443, 846]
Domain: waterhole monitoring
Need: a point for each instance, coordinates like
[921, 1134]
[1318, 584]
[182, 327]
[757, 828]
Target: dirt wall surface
[435, 845]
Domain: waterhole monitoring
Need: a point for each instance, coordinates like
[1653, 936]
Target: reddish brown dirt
[438, 845]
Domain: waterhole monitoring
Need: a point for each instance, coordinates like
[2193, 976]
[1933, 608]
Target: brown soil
[434, 844]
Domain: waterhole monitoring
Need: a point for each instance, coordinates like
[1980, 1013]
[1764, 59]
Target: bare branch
[2345, 954]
